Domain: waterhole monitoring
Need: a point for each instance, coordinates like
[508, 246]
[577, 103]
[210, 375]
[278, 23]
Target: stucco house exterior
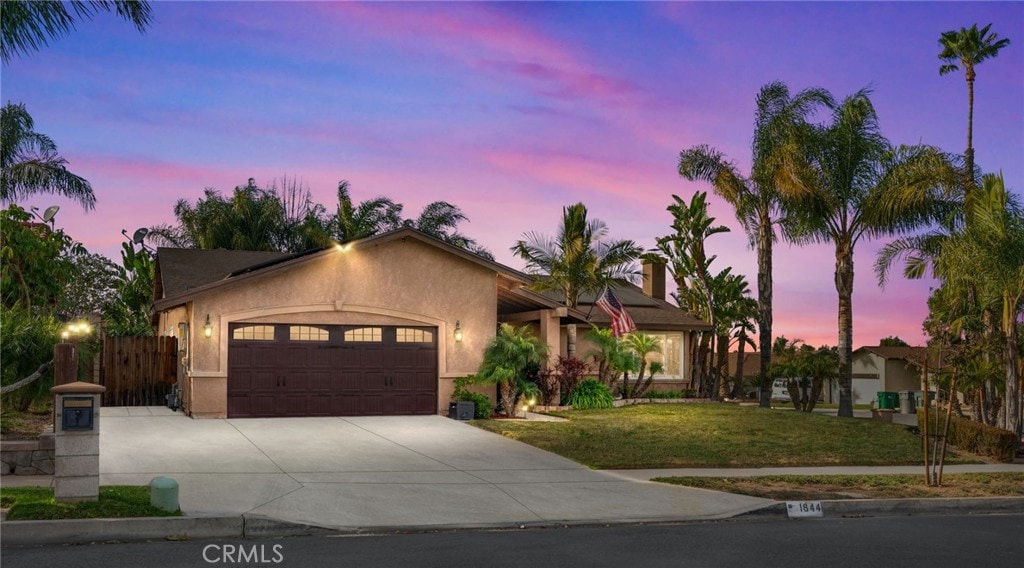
[378, 326]
[883, 368]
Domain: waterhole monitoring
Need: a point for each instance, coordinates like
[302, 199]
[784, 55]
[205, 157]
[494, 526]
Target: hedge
[974, 437]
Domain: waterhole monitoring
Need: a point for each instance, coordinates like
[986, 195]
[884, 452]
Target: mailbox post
[76, 429]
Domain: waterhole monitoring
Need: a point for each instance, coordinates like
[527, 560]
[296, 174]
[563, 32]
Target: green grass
[797, 487]
[116, 501]
[715, 435]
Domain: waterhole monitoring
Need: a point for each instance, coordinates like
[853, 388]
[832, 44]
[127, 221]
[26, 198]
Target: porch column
[551, 332]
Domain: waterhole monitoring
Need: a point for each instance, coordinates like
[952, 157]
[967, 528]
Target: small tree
[641, 346]
[506, 361]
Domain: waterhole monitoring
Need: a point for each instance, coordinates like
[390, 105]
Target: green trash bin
[888, 400]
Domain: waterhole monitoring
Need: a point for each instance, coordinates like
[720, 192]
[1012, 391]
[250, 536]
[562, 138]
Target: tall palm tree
[757, 201]
[27, 25]
[969, 47]
[686, 257]
[576, 261]
[730, 303]
[988, 257]
[847, 182]
[30, 164]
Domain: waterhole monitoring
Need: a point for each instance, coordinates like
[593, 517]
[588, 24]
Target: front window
[671, 354]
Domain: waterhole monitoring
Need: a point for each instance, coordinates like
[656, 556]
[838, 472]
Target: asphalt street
[935, 542]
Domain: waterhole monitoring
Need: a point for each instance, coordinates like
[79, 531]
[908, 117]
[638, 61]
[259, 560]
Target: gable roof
[895, 352]
[183, 273]
[649, 314]
[179, 270]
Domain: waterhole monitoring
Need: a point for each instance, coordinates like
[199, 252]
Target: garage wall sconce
[458, 331]
[207, 328]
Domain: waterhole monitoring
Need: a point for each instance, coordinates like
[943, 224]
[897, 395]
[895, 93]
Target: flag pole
[591, 310]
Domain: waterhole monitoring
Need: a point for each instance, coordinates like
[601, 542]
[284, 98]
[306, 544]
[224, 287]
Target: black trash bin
[461, 409]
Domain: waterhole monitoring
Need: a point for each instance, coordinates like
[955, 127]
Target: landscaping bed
[116, 501]
[817, 487]
[716, 435]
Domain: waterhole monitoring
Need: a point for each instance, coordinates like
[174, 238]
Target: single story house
[378, 326]
[883, 368]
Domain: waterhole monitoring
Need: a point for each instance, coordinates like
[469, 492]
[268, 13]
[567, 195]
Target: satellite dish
[140, 235]
[50, 213]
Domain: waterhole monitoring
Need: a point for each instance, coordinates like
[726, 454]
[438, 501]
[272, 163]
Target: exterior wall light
[207, 328]
[458, 331]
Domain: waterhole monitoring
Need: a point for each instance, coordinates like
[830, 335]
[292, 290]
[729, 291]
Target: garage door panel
[378, 372]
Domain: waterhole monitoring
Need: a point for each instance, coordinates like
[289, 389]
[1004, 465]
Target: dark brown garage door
[331, 370]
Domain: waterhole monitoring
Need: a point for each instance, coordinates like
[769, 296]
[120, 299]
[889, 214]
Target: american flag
[621, 322]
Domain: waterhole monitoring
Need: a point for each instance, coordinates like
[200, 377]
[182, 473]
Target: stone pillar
[76, 429]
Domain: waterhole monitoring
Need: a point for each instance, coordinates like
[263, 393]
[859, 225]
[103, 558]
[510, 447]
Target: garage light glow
[208, 328]
[458, 331]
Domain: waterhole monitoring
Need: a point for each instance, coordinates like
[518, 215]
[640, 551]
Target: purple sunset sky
[509, 110]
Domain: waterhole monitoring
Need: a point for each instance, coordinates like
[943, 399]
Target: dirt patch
[25, 425]
[827, 487]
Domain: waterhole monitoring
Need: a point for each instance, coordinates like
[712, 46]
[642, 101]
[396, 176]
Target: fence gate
[138, 371]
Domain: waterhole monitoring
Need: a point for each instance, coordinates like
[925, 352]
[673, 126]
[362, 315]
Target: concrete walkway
[378, 472]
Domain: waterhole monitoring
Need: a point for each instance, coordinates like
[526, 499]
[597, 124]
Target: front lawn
[715, 435]
[116, 501]
[813, 487]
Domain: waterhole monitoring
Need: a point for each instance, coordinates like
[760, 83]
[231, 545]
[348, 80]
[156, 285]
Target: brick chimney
[654, 279]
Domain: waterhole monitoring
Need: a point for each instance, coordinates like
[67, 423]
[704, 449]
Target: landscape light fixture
[208, 328]
[458, 331]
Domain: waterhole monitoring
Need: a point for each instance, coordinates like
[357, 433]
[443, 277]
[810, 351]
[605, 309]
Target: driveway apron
[381, 472]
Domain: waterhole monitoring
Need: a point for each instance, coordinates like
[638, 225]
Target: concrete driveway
[380, 472]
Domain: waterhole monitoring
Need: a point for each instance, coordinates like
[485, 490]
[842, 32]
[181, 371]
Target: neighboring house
[382, 325]
[879, 368]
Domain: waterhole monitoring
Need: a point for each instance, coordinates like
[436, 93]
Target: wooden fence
[138, 371]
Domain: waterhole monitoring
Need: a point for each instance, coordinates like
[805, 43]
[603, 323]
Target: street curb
[904, 507]
[73, 531]
[189, 528]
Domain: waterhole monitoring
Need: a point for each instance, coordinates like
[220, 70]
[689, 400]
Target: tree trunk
[508, 398]
[570, 332]
[816, 386]
[764, 306]
[969, 152]
[722, 366]
[737, 385]
[844, 286]
[1011, 398]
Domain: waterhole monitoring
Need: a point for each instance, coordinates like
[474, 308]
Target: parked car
[780, 390]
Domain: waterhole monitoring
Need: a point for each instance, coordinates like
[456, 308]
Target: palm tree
[969, 47]
[252, 218]
[30, 164]
[687, 260]
[370, 217]
[757, 201]
[28, 25]
[506, 360]
[575, 261]
[988, 256]
[845, 182]
[441, 219]
[641, 346]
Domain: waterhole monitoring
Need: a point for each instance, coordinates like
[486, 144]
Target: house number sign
[796, 509]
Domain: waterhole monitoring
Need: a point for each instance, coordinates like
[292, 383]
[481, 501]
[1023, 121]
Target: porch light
[458, 331]
[208, 328]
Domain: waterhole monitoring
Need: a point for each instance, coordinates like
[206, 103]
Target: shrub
[974, 437]
[590, 393]
[483, 408]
